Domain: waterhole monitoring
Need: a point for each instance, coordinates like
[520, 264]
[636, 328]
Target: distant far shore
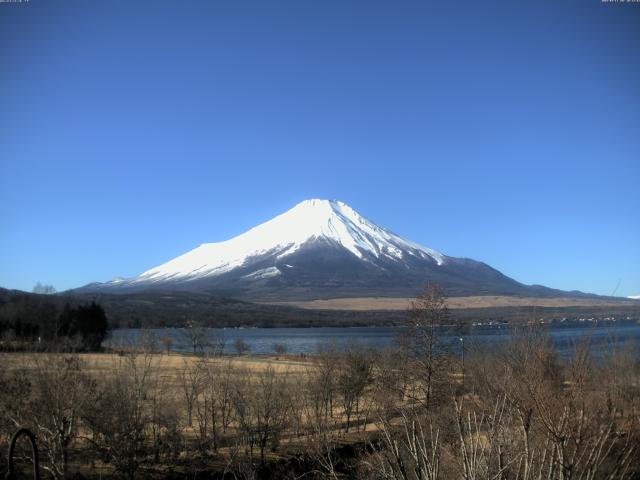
[478, 301]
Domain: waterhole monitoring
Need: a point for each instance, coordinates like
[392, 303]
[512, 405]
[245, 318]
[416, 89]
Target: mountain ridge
[321, 249]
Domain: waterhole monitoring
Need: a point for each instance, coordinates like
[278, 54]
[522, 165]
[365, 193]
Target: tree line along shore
[29, 318]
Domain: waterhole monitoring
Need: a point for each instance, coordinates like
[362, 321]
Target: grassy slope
[487, 301]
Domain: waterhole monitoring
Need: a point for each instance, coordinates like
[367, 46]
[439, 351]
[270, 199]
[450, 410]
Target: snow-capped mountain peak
[309, 221]
[319, 249]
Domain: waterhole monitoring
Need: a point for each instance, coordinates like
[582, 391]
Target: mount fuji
[320, 249]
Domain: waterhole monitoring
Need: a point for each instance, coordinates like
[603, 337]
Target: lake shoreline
[307, 340]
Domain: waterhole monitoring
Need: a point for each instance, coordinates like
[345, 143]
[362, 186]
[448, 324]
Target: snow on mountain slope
[320, 249]
[309, 221]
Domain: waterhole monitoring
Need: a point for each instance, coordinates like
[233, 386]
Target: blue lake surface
[307, 340]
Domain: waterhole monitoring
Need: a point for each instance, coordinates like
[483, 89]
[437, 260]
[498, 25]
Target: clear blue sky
[133, 131]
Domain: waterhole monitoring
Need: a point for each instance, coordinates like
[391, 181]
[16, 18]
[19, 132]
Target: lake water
[308, 340]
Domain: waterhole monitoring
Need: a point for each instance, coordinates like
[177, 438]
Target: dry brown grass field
[168, 380]
[488, 301]
[170, 365]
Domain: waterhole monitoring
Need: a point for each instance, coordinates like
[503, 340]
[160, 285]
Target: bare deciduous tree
[280, 348]
[44, 289]
[118, 418]
[426, 314]
[50, 402]
[261, 409]
[196, 337]
[191, 383]
[213, 406]
[408, 451]
[167, 341]
[354, 376]
[241, 346]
